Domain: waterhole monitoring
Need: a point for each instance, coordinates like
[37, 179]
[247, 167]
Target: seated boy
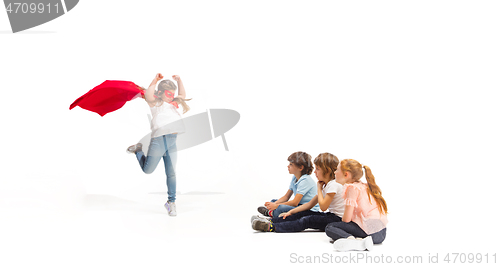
[303, 188]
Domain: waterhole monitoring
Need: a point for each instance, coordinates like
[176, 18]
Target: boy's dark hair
[302, 159]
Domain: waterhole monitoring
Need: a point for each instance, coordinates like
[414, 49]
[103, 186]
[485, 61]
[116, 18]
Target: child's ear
[301, 168]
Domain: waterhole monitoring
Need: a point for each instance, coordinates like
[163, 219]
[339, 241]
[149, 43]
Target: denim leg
[379, 236]
[338, 230]
[293, 217]
[280, 209]
[170, 160]
[317, 221]
[156, 150]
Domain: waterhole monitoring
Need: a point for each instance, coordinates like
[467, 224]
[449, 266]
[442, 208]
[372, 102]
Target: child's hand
[321, 184]
[158, 77]
[285, 214]
[271, 205]
[176, 78]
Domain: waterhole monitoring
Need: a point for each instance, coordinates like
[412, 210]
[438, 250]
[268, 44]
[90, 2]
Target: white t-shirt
[337, 206]
[166, 120]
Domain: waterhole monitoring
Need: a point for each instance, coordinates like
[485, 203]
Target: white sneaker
[350, 243]
[134, 148]
[255, 217]
[170, 206]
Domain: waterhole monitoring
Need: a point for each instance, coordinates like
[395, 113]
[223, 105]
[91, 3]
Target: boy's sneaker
[350, 243]
[134, 148]
[170, 206]
[257, 217]
[264, 211]
[261, 225]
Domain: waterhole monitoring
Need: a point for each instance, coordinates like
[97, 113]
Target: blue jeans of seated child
[161, 147]
[280, 209]
[338, 230]
[294, 217]
[308, 219]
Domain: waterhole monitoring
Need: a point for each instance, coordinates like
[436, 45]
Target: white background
[408, 88]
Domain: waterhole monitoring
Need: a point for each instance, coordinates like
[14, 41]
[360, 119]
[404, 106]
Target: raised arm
[150, 92]
[182, 91]
[324, 202]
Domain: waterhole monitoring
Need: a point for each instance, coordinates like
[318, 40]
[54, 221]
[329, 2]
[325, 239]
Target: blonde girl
[166, 123]
[365, 216]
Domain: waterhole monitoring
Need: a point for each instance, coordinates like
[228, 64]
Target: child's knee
[330, 230]
[379, 237]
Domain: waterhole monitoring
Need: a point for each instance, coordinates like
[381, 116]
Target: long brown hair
[356, 169]
[327, 163]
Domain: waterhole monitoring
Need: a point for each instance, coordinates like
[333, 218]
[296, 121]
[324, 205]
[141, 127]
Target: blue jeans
[293, 217]
[338, 230]
[280, 209]
[161, 147]
[305, 219]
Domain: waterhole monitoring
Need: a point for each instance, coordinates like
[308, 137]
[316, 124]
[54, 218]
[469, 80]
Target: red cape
[108, 96]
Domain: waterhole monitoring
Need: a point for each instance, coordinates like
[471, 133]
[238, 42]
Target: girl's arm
[309, 205]
[351, 194]
[348, 211]
[150, 92]
[324, 202]
[180, 85]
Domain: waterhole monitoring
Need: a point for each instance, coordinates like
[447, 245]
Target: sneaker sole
[346, 244]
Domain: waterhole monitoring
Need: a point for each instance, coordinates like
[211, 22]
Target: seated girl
[365, 215]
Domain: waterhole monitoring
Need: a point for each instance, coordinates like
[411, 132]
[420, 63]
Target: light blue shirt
[305, 186]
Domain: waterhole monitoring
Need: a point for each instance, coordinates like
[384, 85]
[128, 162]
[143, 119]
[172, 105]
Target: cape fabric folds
[108, 96]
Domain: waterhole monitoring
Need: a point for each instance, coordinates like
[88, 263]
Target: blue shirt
[305, 186]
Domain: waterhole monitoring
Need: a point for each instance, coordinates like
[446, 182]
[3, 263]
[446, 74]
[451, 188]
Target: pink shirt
[366, 214]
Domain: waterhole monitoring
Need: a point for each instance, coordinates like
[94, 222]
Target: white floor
[59, 222]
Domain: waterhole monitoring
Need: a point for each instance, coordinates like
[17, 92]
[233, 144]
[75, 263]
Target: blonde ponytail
[356, 170]
[182, 101]
[374, 190]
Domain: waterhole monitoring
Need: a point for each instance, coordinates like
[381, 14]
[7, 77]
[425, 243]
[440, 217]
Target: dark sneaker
[264, 211]
[261, 225]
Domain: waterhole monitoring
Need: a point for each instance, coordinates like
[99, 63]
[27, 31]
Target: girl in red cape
[166, 123]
